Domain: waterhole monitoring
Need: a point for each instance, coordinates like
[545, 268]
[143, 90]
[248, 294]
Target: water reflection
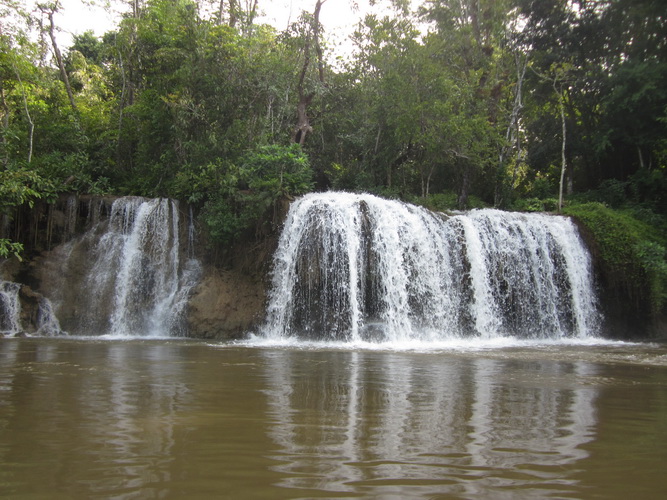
[352, 421]
[132, 409]
[156, 419]
[95, 421]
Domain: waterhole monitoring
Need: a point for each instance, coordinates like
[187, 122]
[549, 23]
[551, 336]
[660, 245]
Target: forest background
[531, 105]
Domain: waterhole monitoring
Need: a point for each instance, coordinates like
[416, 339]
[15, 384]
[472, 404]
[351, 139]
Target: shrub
[245, 194]
[536, 205]
[439, 202]
[629, 251]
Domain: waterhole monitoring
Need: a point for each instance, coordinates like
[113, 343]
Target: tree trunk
[136, 9]
[641, 157]
[474, 21]
[316, 36]
[563, 166]
[512, 134]
[428, 181]
[5, 126]
[56, 51]
[390, 171]
[233, 13]
[251, 14]
[121, 108]
[31, 124]
[303, 127]
[221, 12]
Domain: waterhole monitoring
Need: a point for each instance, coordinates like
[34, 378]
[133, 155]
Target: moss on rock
[630, 257]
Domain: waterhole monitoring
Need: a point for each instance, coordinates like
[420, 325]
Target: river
[161, 418]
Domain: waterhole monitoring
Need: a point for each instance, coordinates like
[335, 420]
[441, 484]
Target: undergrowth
[630, 251]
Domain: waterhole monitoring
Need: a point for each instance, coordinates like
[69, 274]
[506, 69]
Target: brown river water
[162, 419]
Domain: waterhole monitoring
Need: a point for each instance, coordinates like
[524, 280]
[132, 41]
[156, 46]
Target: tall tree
[311, 43]
[49, 9]
[473, 40]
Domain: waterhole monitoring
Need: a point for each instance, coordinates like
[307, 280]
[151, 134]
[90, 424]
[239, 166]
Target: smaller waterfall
[357, 267]
[46, 321]
[10, 308]
[40, 317]
[140, 256]
[127, 272]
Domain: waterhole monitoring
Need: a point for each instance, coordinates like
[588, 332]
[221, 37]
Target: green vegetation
[244, 195]
[630, 250]
[20, 186]
[456, 104]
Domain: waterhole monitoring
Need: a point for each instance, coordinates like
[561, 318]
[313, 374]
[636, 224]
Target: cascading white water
[357, 268]
[10, 308]
[140, 254]
[133, 281]
[45, 322]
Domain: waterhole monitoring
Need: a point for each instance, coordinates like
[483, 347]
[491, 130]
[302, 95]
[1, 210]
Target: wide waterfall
[126, 275]
[359, 268]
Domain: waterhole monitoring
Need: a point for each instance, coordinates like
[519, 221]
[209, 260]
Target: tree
[564, 115]
[611, 112]
[49, 9]
[513, 146]
[389, 81]
[308, 29]
[15, 54]
[472, 36]
[270, 174]
[558, 83]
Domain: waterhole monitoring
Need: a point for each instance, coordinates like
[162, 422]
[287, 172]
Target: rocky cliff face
[230, 299]
[624, 298]
[225, 304]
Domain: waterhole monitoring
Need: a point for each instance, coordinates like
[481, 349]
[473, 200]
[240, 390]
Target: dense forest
[532, 105]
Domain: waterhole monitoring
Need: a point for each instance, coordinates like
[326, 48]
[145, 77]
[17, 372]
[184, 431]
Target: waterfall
[46, 321]
[43, 322]
[10, 308]
[359, 268]
[126, 275]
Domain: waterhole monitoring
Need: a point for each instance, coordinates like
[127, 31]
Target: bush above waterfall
[630, 252]
[243, 195]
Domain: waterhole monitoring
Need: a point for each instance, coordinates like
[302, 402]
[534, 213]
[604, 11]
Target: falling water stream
[127, 275]
[10, 307]
[140, 256]
[46, 322]
[359, 268]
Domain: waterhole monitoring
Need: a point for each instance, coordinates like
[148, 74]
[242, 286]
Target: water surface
[125, 419]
